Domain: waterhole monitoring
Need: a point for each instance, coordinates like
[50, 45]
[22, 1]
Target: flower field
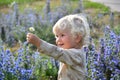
[104, 64]
[25, 63]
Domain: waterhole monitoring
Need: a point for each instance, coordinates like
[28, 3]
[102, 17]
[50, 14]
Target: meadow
[21, 61]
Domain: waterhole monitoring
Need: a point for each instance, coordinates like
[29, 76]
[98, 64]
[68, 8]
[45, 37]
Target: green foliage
[9, 76]
[101, 7]
[44, 68]
[117, 30]
[45, 33]
[19, 33]
[6, 2]
[51, 70]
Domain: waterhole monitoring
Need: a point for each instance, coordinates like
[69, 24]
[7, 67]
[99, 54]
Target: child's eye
[62, 35]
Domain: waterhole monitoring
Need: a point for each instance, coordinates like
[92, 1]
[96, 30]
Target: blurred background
[20, 60]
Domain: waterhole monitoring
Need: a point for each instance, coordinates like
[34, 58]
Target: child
[71, 33]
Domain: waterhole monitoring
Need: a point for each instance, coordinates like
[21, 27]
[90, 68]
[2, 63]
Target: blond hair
[77, 24]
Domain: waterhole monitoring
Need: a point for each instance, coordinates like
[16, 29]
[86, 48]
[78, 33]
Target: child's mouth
[60, 45]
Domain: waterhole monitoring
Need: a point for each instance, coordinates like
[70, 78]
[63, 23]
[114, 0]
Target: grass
[5, 5]
[6, 2]
[38, 5]
[94, 5]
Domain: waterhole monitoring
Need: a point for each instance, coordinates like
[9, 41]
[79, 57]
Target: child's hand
[33, 39]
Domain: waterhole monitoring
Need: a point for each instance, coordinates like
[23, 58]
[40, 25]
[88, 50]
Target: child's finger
[28, 37]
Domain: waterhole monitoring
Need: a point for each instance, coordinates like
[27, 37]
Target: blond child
[71, 33]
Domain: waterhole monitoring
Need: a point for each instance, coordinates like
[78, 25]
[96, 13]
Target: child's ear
[78, 38]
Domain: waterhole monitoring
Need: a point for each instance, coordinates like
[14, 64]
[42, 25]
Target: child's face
[64, 39]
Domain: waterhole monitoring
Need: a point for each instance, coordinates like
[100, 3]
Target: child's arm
[68, 56]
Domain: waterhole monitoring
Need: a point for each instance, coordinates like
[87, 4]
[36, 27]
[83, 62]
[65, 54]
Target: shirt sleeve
[67, 56]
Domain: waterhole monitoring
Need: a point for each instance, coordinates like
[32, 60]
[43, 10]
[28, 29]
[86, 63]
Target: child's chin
[62, 47]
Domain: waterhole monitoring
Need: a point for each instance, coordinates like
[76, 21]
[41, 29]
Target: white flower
[31, 29]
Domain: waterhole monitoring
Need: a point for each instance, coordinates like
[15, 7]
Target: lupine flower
[104, 65]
